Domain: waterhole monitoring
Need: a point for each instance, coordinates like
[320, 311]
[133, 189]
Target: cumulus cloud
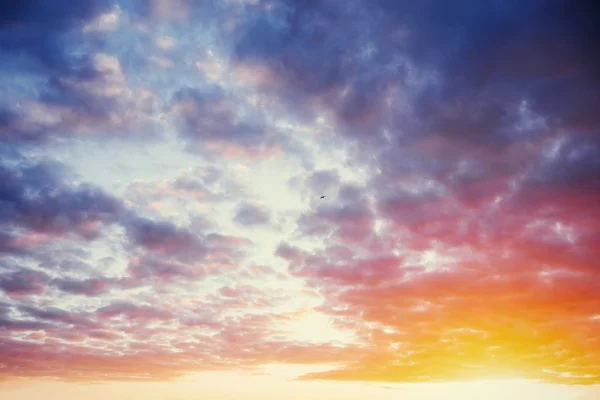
[23, 282]
[473, 158]
[210, 120]
[252, 215]
[36, 197]
[57, 90]
[42, 25]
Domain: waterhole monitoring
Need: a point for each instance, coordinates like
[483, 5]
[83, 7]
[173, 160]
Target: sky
[163, 235]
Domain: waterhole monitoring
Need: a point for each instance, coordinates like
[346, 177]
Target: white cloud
[106, 22]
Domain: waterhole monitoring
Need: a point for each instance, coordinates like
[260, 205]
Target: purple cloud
[252, 215]
[23, 282]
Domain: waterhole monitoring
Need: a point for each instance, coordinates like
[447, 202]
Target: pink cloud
[23, 283]
[34, 240]
[133, 312]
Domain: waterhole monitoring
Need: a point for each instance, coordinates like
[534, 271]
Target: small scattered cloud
[252, 215]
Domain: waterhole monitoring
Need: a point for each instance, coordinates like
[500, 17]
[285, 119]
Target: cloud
[38, 198]
[132, 312]
[159, 237]
[208, 185]
[323, 181]
[210, 119]
[89, 287]
[40, 28]
[56, 315]
[166, 270]
[41, 207]
[218, 239]
[496, 323]
[23, 282]
[58, 90]
[482, 191]
[466, 245]
[214, 338]
[480, 287]
[348, 216]
[300, 46]
[105, 22]
[252, 215]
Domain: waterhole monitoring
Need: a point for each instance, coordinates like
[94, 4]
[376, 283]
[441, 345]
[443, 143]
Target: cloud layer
[162, 165]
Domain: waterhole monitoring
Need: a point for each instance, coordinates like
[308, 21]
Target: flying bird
[322, 197]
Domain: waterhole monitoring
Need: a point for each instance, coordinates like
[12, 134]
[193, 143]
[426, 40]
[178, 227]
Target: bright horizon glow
[216, 386]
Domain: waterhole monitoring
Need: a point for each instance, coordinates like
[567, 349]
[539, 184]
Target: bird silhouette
[322, 197]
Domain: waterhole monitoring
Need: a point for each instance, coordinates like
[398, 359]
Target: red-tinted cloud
[506, 288]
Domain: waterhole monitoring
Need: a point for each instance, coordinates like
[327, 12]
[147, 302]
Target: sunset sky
[162, 232]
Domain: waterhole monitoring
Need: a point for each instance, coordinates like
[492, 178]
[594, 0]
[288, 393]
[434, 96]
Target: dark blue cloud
[56, 315]
[302, 43]
[38, 198]
[478, 62]
[476, 41]
[13, 325]
[160, 236]
[210, 114]
[574, 163]
[6, 243]
[317, 50]
[37, 29]
[23, 282]
[35, 196]
[324, 181]
[347, 215]
[52, 69]
[87, 287]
